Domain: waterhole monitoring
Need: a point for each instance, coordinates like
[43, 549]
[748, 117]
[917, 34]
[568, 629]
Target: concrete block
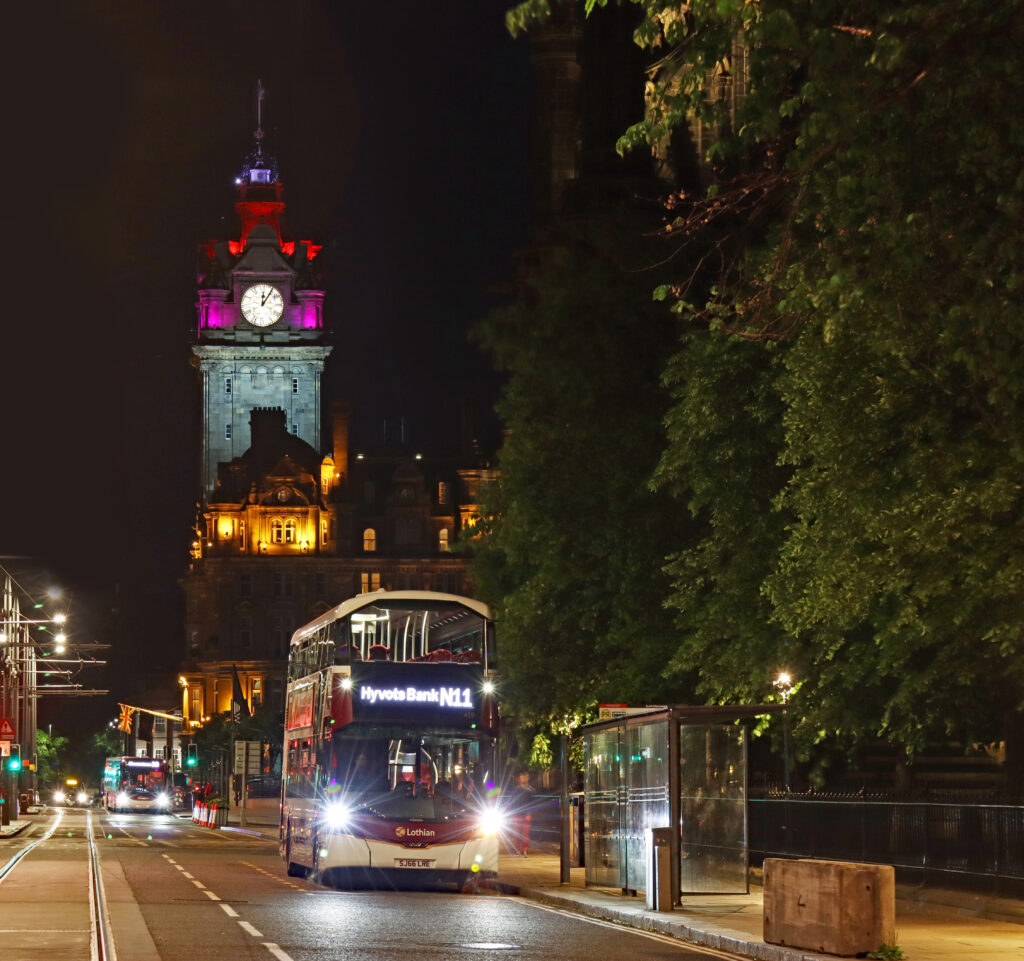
[834, 907]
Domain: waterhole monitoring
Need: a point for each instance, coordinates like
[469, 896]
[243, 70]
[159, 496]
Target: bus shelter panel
[712, 809]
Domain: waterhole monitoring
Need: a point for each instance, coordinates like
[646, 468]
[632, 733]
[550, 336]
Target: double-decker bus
[136, 784]
[390, 726]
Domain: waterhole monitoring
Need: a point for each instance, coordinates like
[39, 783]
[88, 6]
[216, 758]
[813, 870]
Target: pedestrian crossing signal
[13, 760]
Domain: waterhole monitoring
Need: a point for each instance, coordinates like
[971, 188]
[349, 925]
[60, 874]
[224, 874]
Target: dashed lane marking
[199, 884]
[211, 895]
[229, 911]
[249, 929]
[277, 952]
[273, 877]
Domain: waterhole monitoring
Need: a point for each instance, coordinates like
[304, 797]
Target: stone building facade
[289, 523]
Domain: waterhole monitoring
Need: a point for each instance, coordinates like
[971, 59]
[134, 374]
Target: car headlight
[122, 798]
[81, 797]
[492, 821]
[58, 797]
[337, 815]
[163, 800]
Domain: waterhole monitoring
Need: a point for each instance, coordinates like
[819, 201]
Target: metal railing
[979, 847]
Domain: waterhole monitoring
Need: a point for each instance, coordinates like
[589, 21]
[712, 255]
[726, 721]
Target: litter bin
[659, 869]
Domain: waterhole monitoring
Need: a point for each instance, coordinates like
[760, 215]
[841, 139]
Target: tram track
[12, 863]
[101, 938]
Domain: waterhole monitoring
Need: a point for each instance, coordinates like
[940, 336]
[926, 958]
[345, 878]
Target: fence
[979, 847]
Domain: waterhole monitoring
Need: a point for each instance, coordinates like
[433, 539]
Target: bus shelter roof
[685, 713]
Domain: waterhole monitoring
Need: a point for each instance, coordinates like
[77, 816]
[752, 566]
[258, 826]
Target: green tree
[51, 757]
[572, 554]
[868, 213]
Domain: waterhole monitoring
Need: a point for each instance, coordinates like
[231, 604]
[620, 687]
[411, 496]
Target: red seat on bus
[378, 652]
[467, 657]
[439, 655]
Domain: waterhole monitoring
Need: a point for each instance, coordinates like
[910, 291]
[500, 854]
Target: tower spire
[260, 94]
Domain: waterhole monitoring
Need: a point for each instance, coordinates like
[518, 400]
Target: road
[171, 891]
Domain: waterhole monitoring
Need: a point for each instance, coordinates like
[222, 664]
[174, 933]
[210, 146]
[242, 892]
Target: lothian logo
[401, 832]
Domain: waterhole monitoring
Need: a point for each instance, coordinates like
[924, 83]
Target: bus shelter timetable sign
[446, 694]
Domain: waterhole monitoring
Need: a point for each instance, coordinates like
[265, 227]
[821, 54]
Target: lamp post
[784, 684]
[18, 689]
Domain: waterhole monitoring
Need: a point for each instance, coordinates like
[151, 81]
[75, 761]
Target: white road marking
[229, 911]
[277, 952]
[179, 867]
[198, 884]
[210, 894]
[653, 935]
[249, 929]
[189, 876]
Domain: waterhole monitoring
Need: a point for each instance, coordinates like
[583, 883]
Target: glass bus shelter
[669, 767]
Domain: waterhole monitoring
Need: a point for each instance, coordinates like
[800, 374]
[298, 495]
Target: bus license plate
[414, 862]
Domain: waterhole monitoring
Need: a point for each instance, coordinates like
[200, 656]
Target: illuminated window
[442, 539]
[241, 533]
[369, 582]
[227, 385]
[290, 528]
[442, 493]
[256, 691]
[323, 533]
[276, 531]
[369, 539]
[227, 432]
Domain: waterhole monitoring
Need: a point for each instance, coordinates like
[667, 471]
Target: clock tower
[260, 326]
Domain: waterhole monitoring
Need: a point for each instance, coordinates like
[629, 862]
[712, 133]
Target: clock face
[283, 494]
[262, 305]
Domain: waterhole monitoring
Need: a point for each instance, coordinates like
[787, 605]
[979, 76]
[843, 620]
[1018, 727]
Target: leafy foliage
[848, 403]
[572, 554]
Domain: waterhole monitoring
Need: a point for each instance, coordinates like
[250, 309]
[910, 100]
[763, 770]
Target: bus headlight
[122, 798]
[492, 821]
[81, 798]
[337, 815]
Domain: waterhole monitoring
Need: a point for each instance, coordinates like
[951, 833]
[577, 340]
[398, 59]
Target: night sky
[402, 136]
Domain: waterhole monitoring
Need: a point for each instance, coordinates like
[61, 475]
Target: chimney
[340, 413]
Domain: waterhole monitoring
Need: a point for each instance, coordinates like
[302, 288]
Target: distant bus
[390, 725]
[136, 784]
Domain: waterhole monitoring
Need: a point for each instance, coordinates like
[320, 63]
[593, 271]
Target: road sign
[6, 730]
[247, 757]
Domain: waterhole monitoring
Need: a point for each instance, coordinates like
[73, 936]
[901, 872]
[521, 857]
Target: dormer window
[259, 175]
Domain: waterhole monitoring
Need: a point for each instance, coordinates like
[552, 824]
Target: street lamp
[784, 684]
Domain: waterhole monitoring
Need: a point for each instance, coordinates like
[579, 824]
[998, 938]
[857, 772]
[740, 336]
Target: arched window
[276, 531]
[369, 539]
[289, 530]
[442, 540]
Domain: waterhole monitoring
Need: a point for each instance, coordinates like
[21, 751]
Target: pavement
[930, 925]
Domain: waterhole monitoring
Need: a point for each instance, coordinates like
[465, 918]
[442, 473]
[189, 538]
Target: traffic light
[190, 756]
[14, 758]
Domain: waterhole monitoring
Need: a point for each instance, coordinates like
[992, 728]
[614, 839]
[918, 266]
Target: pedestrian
[521, 803]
